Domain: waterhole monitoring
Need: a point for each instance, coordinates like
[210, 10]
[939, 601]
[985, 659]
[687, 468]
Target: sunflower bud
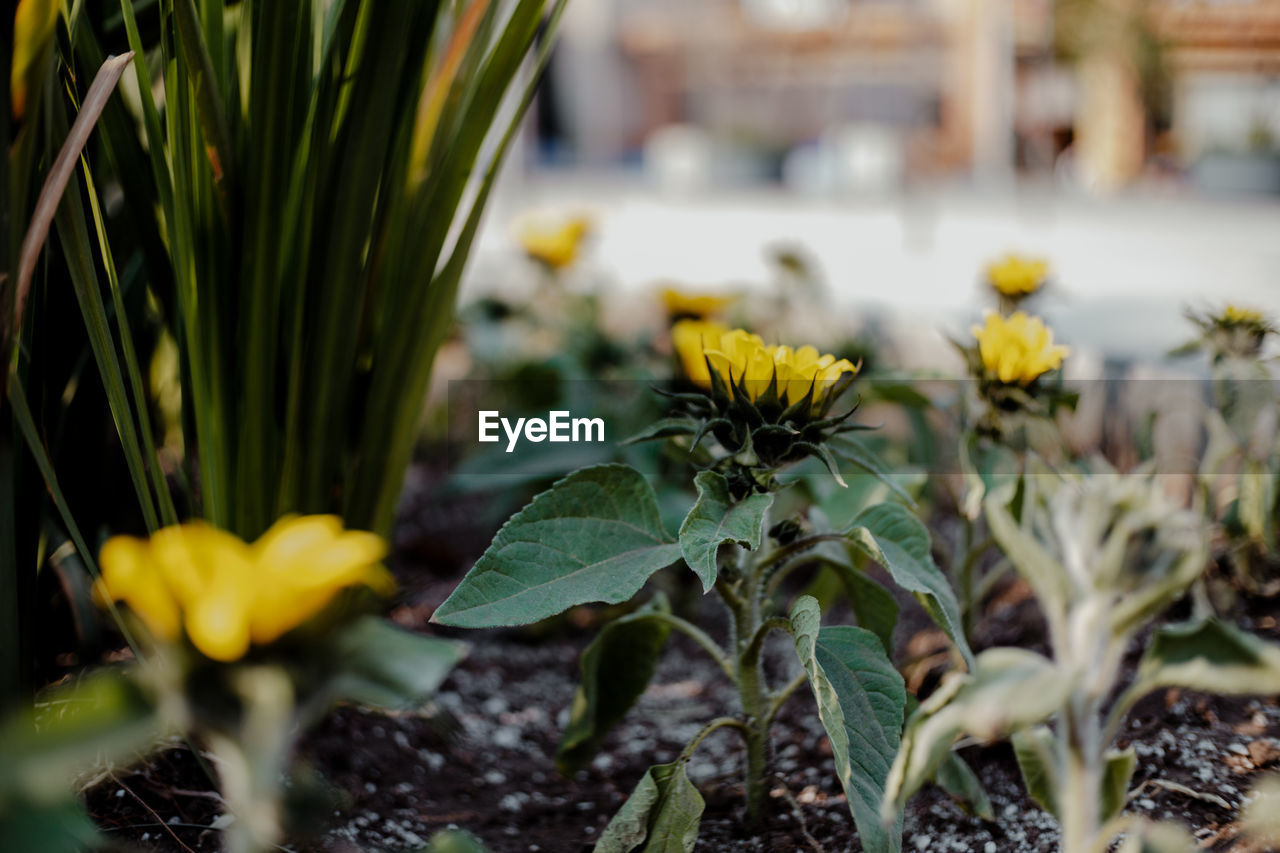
[765, 405]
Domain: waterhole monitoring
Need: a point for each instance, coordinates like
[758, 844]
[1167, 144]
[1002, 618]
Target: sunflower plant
[1105, 554]
[597, 536]
[245, 643]
[1005, 415]
[1239, 471]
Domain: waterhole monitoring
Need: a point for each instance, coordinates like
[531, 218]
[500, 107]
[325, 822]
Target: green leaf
[861, 699]
[957, 778]
[665, 428]
[1036, 751]
[853, 449]
[1210, 656]
[873, 606]
[1117, 771]
[593, 536]
[1009, 689]
[383, 666]
[662, 814]
[104, 718]
[716, 519]
[616, 669]
[455, 841]
[1039, 568]
[892, 536]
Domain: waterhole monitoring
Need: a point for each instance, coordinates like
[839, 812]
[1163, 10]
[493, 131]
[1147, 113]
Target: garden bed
[481, 755]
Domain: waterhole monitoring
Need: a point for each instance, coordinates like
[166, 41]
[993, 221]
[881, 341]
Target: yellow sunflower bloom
[1017, 349]
[554, 244]
[1017, 276]
[229, 595]
[743, 359]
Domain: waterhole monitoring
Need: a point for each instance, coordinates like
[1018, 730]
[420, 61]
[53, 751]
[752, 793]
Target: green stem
[717, 723]
[699, 636]
[780, 697]
[1081, 817]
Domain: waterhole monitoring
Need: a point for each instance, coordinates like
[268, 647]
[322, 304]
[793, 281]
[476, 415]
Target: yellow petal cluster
[228, 594]
[1235, 315]
[1017, 349]
[700, 305]
[1017, 276]
[745, 360]
[555, 244]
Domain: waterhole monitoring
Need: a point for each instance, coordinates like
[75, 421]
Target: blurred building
[860, 94]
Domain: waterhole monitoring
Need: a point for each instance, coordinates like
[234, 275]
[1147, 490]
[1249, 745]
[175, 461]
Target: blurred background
[900, 145]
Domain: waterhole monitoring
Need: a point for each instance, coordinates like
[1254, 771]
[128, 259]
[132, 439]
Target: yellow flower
[744, 359]
[33, 28]
[229, 594]
[701, 305]
[1017, 349]
[1235, 315]
[554, 244]
[1017, 276]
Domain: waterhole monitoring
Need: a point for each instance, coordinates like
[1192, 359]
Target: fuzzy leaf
[594, 536]
[957, 778]
[716, 519]
[1038, 567]
[1117, 771]
[1210, 656]
[890, 535]
[861, 699]
[1009, 689]
[616, 669]
[1035, 750]
[662, 814]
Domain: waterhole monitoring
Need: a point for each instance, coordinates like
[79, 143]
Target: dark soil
[480, 756]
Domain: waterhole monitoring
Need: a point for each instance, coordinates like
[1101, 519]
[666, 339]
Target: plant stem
[717, 723]
[699, 636]
[1080, 762]
[748, 631]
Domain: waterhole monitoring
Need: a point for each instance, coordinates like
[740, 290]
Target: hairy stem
[1080, 762]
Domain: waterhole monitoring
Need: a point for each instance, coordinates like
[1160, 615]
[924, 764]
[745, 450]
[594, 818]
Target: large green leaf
[716, 519]
[874, 606]
[852, 448]
[662, 814]
[1210, 656]
[893, 537]
[593, 536]
[616, 669]
[380, 665]
[861, 699]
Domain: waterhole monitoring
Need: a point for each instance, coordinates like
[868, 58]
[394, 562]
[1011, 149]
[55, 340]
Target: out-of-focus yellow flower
[743, 359]
[1016, 276]
[33, 23]
[554, 244]
[1235, 315]
[1017, 349]
[697, 305]
[690, 338]
[229, 594]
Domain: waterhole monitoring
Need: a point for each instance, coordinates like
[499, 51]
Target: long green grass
[320, 176]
